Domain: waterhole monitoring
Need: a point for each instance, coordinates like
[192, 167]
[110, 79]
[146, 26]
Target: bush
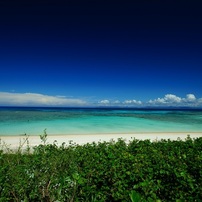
[108, 171]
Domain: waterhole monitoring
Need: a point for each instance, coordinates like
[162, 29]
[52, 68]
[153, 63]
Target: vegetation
[103, 172]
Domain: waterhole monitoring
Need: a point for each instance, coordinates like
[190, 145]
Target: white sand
[13, 142]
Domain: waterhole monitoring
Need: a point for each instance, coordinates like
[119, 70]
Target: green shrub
[103, 172]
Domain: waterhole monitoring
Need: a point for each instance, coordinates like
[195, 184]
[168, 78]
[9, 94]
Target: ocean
[64, 121]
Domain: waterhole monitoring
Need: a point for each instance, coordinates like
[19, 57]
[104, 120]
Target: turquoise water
[33, 121]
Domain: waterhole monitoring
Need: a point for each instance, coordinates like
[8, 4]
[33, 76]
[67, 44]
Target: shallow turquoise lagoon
[33, 121]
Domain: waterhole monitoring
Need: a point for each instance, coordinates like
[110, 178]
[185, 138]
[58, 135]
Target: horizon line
[107, 107]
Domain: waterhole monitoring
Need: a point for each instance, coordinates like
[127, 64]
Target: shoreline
[13, 142]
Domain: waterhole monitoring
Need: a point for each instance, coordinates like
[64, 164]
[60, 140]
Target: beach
[83, 125]
[14, 142]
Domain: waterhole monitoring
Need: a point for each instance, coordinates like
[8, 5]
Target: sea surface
[58, 121]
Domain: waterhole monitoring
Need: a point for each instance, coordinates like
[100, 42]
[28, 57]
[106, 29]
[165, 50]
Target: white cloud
[173, 100]
[104, 102]
[116, 102]
[34, 99]
[119, 103]
[190, 98]
[132, 102]
[200, 100]
[168, 99]
[157, 101]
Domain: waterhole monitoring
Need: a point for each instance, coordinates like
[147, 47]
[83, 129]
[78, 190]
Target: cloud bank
[172, 100]
[34, 99]
[135, 102]
[169, 100]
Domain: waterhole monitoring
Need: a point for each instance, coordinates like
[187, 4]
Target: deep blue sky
[101, 50]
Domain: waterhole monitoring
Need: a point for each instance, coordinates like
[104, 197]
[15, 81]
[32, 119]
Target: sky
[100, 53]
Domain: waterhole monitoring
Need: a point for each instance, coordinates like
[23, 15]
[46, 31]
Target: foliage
[103, 172]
